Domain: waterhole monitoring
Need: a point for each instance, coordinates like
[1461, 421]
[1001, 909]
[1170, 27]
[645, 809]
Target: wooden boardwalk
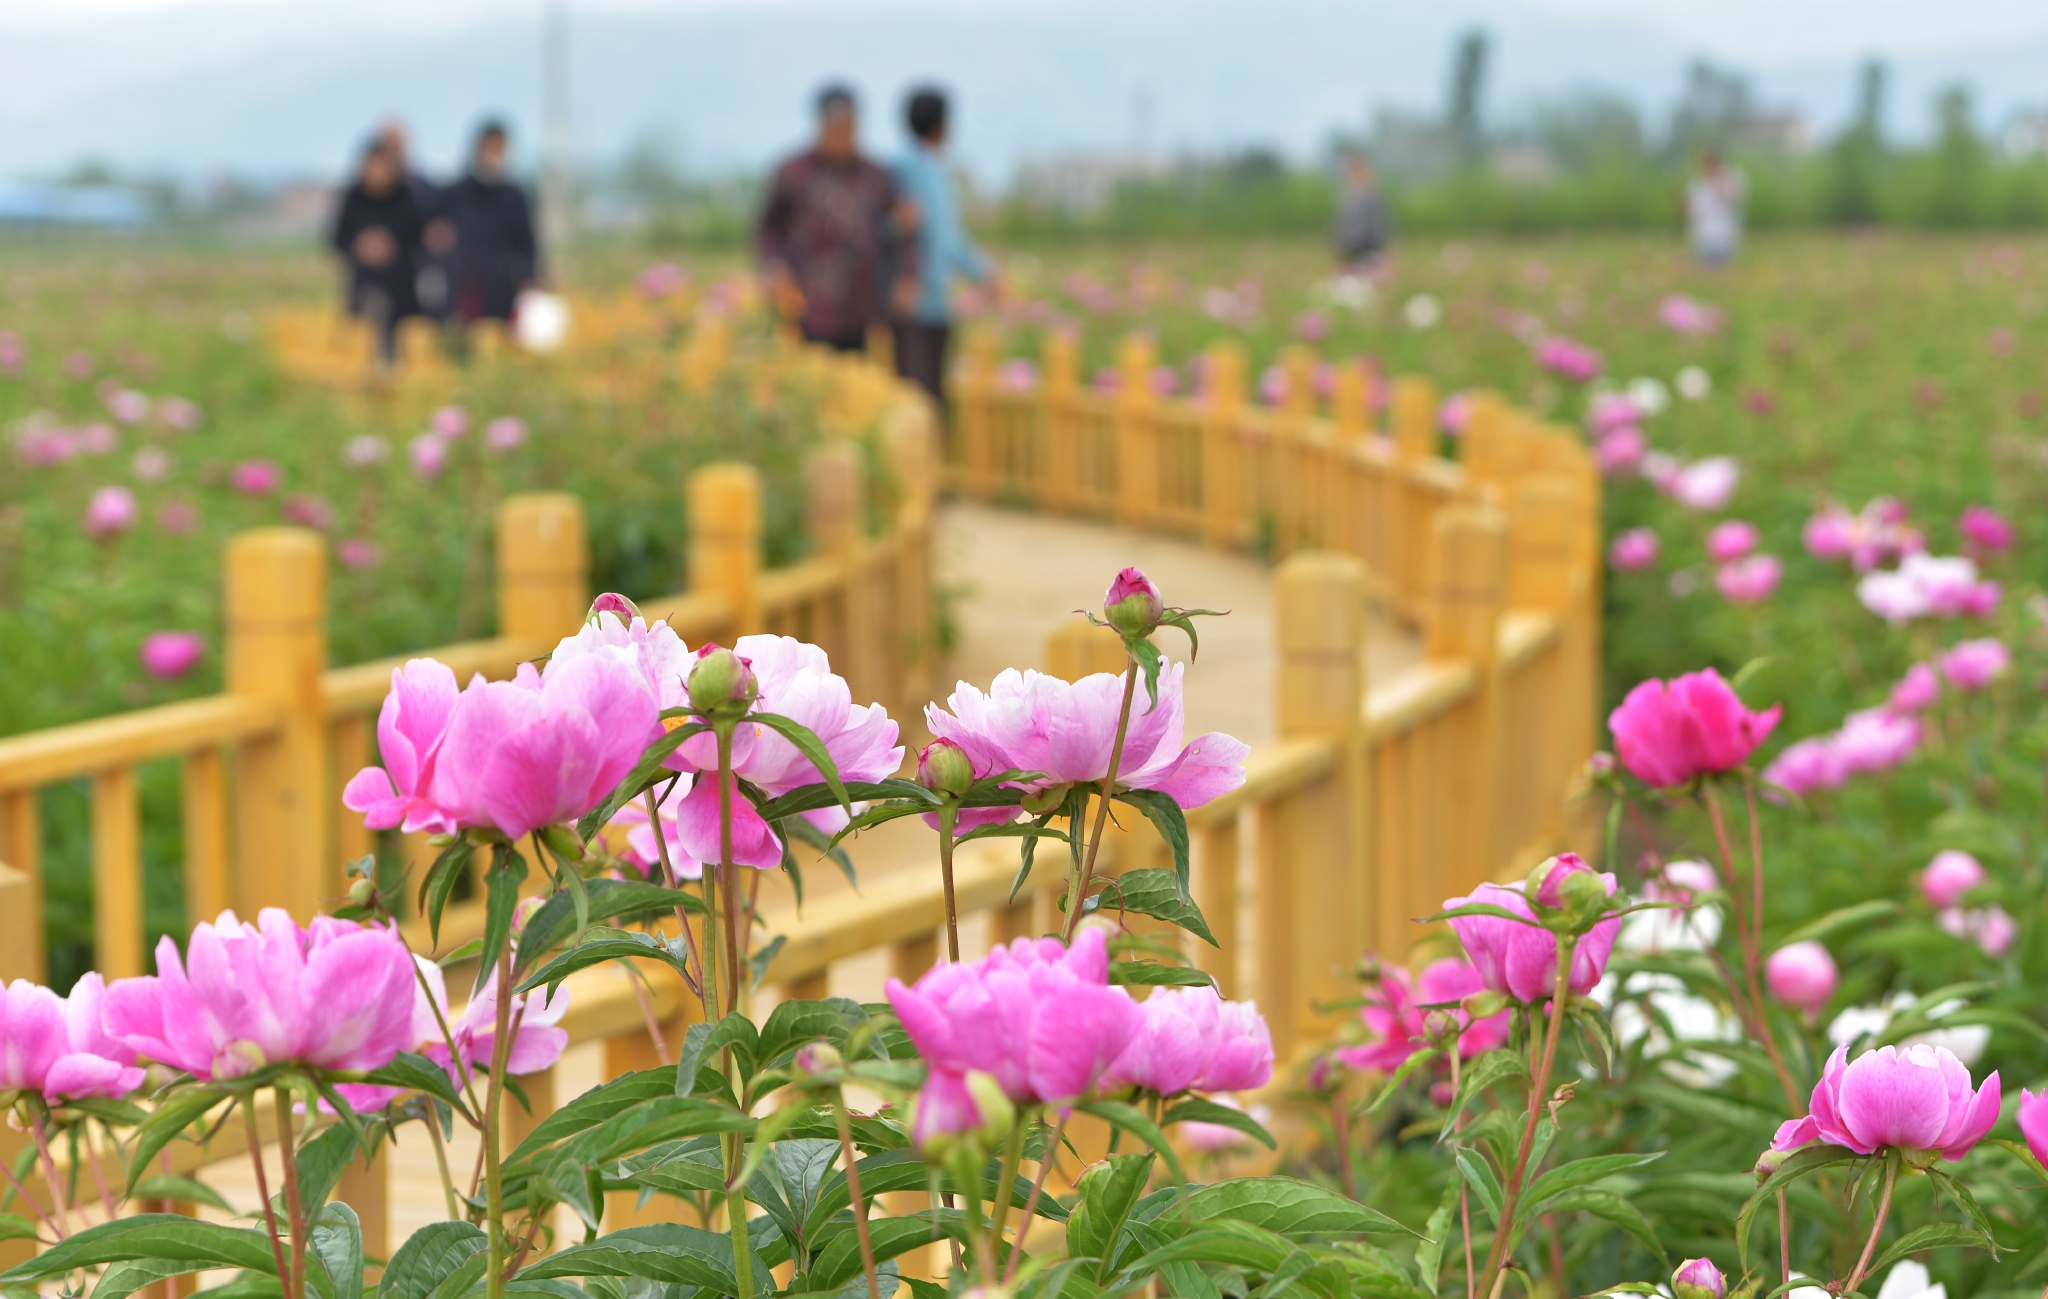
[1010, 579]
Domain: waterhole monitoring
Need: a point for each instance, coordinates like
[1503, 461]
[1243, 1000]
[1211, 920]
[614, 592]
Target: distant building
[1080, 184]
[1776, 132]
[1524, 164]
[2026, 136]
[106, 206]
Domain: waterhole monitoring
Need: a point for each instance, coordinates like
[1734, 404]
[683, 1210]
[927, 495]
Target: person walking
[1361, 233]
[437, 236]
[377, 233]
[831, 235]
[944, 248]
[495, 253]
[1713, 209]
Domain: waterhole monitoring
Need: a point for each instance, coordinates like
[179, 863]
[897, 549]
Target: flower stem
[494, 1100]
[99, 1174]
[999, 1203]
[1052, 1146]
[455, 1053]
[1884, 1208]
[294, 1207]
[1784, 1239]
[29, 1200]
[1539, 1087]
[668, 877]
[1116, 756]
[1749, 933]
[849, 1157]
[248, 1104]
[57, 1196]
[441, 1161]
[733, 1145]
[1340, 1124]
[949, 813]
[1464, 1192]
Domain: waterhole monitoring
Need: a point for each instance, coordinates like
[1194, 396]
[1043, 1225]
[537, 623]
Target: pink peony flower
[1917, 690]
[410, 727]
[1038, 1016]
[56, 1046]
[1731, 541]
[109, 513]
[1876, 740]
[537, 1042]
[168, 655]
[1991, 928]
[1972, 665]
[98, 439]
[641, 849]
[1394, 1018]
[357, 552]
[1706, 485]
[255, 477]
[429, 456]
[1985, 531]
[1802, 975]
[1951, 874]
[1521, 959]
[1683, 315]
[504, 433]
[308, 512]
[1926, 586]
[127, 405]
[177, 517]
[1634, 549]
[450, 422]
[1916, 1099]
[1621, 450]
[152, 464]
[2033, 1121]
[177, 414]
[1183, 1037]
[1751, 580]
[1807, 765]
[336, 996]
[1611, 412]
[1668, 734]
[1568, 359]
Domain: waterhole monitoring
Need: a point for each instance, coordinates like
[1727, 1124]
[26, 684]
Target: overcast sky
[281, 87]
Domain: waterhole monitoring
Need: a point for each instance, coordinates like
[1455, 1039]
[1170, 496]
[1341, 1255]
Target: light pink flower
[1807, 765]
[337, 996]
[356, 552]
[308, 512]
[943, 1107]
[2033, 1122]
[1521, 959]
[1972, 665]
[1802, 975]
[1706, 484]
[1925, 586]
[1917, 690]
[1951, 874]
[1175, 1038]
[1243, 1058]
[365, 450]
[1985, 531]
[537, 1042]
[152, 464]
[504, 433]
[1876, 740]
[429, 456]
[177, 517]
[255, 477]
[1038, 1016]
[664, 661]
[1751, 580]
[641, 848]
[1637, 548]
[410, 727]
[1667, 734]
[1620, 450]
[55, 1045]
[168, 655]
[127, 405]
[1018, 374]
[1210, 1138]
[1684, 315]
[98, 439]
[1991, 928]
[1568, 359]
[177, 413]
[450, 422]
[1731, 541]
[1613, 411]
[1914, 1099]
[1394, 1018]
[110, 512]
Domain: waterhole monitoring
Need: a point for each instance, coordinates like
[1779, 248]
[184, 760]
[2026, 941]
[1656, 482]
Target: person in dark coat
[437, 237]
[495, 253]
[377, 233]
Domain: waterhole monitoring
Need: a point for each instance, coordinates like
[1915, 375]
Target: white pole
[557, 207]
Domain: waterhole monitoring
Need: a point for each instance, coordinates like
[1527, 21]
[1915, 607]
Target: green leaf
[1151, 974]
[1134, 1122]
[1935, 1235]
[1473, 1168]
[839, 1262]
[1289, 1207]
[246, 1285]
[667, 1251]
[322, 1160]
[794, 1023]
[1172, 824]
[1577, 1174]
[427, 1255]
[796, 829]
[337, 1242]
[1436, 1233]
[1153, 892]
[123, 1279]
[419, 1074]
[595, 1106]
[168, 1236]
[501, 899]
[440, 881]
[599, 946]
[816, 798]
[1417, 1061]
[1107, 1191]
[758, 962]
[1799, 1164]
[15, 1227]
[1617, 1210]
[608, 900]
[1482, 1073]
[1196, 1110]
[647, 771]
[188, 1190]
[1858, 917]
[813, 749]
[170, 1118]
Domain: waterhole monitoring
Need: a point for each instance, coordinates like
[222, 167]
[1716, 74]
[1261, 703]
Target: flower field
[1801, 984]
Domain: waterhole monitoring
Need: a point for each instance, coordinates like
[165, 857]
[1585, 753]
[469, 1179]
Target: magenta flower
[1985, 531]
[1610, 412]
[1038, 1016]
[1192, 1038]
[450, 422]
[1972, 665]
[1698, 1278]
[1731, 541]
[429, 456]
[1917, 690]
[1951, 874]
[1634, 549]
[56, 1046]
[1394, 1018]
[1243, 1059]
[504, 433]
[1802, 975]
[109, 513]
[1621, 450]
[543, 749]
[308, 512]
[1808, 765]
[338, 996]
[1132, 604]
[168, 655]
[410, 727]
[1568, 359]
[1876, 740]
[1751, 580]
[357, 552]
[943, 1107]
[1521, 959]
[255, 477]
[2033, 1121]
[1916, 1099]
[1668, 734]
[537, 1042]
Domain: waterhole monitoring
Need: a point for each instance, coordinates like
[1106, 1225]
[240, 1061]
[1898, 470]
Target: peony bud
[1802, 975]
[1133, 605]
[944, 768]
[1046, 800]
[1547, 881]
[1698, 1278]
[1440, 1026]
[721, 677]
[613, 603]
[998, 1112]
[1483, 1005]
[818, 1058]
[1600, 766]
[524, 912]
[361, 892]
[1769, 1162]
[562, 840]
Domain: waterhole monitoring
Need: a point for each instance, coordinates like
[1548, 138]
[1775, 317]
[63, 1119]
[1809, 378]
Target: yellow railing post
[973, 384]
[905, 653]
[21, 957]
[725, 539]
[1137, 435]
[1315, 869]
[1222, 489]
[1350, 412]
[1060, 355]
[543, 566]
[276, 650]
[1543, 553]
[1467, 588]
[833, 520]
[21, 849]
[1414, 417]
[119, 943]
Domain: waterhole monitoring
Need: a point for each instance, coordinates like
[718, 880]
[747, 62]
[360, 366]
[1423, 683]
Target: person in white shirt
[1713, 209]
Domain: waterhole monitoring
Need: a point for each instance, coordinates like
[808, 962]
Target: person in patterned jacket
[833, 237]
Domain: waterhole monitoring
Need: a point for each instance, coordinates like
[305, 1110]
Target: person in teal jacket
[922, 326]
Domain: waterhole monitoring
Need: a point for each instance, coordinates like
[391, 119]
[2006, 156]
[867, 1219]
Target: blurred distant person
[1713, 209]
[494, 254]
[377, 233]
[944, 248]
[832, 232]
[437, 235]
[1361, 233]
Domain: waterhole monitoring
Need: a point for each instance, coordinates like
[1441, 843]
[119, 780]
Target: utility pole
[557, 205]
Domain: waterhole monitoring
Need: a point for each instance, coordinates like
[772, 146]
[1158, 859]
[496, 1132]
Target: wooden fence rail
[1375, 800]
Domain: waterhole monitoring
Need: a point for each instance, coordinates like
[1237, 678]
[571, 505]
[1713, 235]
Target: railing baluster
[205, 800]
[118, 940]
[21, 849]
[1216, 887]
